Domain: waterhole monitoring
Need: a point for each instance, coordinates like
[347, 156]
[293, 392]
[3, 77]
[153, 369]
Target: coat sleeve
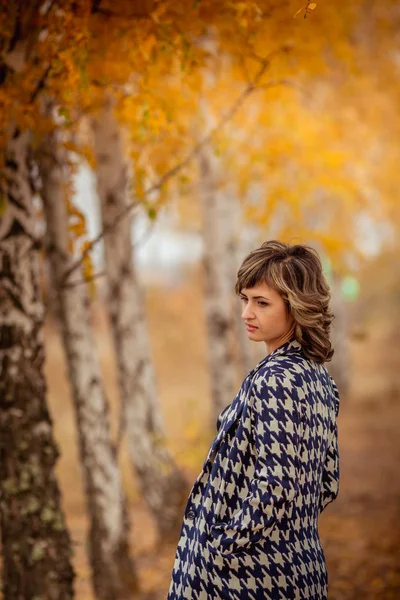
[276, 430]
[221, 416]
[331, 470]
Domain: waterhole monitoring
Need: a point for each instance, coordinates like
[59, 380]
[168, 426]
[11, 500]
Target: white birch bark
[36, 554]
[218, 285]
[237, 252]
[113, 575]
[160, 482]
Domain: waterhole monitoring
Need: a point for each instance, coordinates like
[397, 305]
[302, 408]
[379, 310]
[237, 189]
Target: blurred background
[147, 147]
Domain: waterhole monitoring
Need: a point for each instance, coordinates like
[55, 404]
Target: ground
[360, 531]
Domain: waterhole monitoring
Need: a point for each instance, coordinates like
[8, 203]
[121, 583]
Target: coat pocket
[229, 560]
[228, 549]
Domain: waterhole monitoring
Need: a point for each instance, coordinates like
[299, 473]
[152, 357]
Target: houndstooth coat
[250, 527]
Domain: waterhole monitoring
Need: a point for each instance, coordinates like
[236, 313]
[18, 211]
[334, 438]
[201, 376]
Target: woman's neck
[276, 343]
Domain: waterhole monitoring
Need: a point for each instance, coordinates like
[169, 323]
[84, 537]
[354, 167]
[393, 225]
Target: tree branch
[106, 12]
[285, 82]
[136, 244]
[251, 86]
[72, 284]
[40, 84]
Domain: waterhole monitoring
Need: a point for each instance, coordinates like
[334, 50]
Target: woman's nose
[247, 313]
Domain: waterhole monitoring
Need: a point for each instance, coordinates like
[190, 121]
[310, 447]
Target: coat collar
[235, 409]
[287, 348]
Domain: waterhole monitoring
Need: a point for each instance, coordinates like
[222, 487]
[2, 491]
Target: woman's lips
[251, 328]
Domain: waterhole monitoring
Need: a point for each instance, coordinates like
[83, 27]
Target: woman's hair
[295, 271]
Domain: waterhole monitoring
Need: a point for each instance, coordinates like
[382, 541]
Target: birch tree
[239, 249]
[35, 540]
[215, 201]
[340, 366]
[113, 573]
[36, 546]
[160, 482]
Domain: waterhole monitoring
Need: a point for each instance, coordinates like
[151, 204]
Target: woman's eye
[260, 303]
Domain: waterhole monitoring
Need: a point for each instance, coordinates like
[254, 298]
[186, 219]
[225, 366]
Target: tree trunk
[160, 482]
[113, 574]
[36, 544]
[237, 252]
[218, 285]
[339, 367]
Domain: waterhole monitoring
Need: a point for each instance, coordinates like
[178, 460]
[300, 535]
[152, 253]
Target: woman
[250, 528]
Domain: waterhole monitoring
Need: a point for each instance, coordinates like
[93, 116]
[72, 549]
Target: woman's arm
[220, 416]
[331, 472]
[276, 430]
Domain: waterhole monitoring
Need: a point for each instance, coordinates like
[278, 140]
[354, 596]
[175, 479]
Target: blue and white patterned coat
[250, 527]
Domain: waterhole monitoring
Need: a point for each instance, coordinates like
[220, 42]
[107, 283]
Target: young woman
[250, 527]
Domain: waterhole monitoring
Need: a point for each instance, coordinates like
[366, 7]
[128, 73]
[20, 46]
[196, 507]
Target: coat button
[191, 514]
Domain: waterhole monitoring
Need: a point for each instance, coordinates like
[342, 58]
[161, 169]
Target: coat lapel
[235, 409]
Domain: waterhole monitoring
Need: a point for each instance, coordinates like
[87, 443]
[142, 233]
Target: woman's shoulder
[296, 368]
[278, 373]
[295, 362]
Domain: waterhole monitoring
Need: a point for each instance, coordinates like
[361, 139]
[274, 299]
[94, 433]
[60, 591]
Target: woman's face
[266, 317]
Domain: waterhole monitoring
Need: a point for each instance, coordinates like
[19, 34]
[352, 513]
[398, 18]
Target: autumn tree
[309, 153]
[215, 199]
[45, 45]
[113, 572]
[35, 540]
[165, 42]
[160, 483]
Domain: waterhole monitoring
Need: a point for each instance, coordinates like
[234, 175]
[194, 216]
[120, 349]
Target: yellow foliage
[88, 271]
[301, 132]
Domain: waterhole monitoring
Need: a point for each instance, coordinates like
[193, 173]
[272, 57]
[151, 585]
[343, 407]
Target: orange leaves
[86, 151]
[78, 242]
[88, 269]
[77, 223]
[83, 53]
[292, 142]
[308, 8]
[53, 43]
[77, 229]
[246, 13]
[140, 180]
[147, 46]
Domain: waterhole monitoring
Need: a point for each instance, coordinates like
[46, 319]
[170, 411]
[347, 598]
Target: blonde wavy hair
[295, 272]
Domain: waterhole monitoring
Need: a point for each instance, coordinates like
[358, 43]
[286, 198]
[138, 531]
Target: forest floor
[360, 531]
